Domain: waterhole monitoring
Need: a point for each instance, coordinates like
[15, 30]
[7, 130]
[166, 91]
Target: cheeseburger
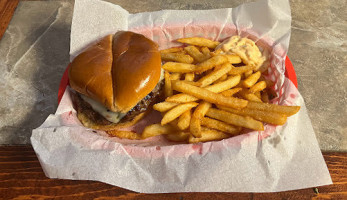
[116, 81]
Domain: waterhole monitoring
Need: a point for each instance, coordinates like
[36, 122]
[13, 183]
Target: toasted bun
[136, 68]
[118, 71]
[90, 72]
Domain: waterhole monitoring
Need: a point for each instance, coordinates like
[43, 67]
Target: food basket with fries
[230, 116]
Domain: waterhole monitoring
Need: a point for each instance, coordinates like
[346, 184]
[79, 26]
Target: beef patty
[85, 109]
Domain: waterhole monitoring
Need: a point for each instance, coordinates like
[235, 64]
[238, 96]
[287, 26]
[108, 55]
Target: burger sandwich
[116, 81]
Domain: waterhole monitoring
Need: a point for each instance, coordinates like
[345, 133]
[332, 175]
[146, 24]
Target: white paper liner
[277, 159]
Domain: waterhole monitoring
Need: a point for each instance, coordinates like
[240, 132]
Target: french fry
[181, 98]
[157, 129]
[179, 67]
[176, 112]
[175, 76]
[224, 85]
[174, 123]
[223, 78]
[206, 52]
[251, 80]
[195, 53]
[208, 96]
[198, 41]
[208, 135]
[233, 58]
[198, 114]
[172, 50]
[189, 77]
[210, 63]
[184, 120]
[167, 87]
[258, 87]
[267, 117]
[249, 96]
[215, 75]
[192, 83]
[286, 110]
[248, 73]
[125, 134]
[234, 119]
[258, 95]
[240, 70]
[177, 57]
[231, 92]
[178, 137]
[164, 106]
[221, 126]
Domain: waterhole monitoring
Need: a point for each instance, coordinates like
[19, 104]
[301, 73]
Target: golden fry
[178, 137]
[233, 58]
[167, 87]
[184, 120]
[224, 85]
[207, 95]
[208, 135]
[189, 77]
[176, 112]
[221, 126]
[193, 83]
[164, 106]
[258, 87]
[179, 67]
[125, 134]
[234, 119]
[181, 98]
[206, 52]
[249, 96]
[210, 63]
[258, 95]
[172, 50]
[195, 53]
[198, 41]
[157, 129]
[248, 73]
[223, 78]
[175, 76]
[231, 92]
[198, 114]
[240, 70]
[267, 117]
[215, 75]
[286, 110]
[251, 80]
[177, 57]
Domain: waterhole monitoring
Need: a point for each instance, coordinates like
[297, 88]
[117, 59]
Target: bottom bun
[91, 119]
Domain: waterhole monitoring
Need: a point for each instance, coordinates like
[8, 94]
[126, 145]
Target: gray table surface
[34, 53]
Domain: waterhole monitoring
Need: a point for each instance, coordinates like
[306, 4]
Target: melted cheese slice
[114, 117]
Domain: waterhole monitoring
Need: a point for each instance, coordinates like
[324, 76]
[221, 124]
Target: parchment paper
[277, 159]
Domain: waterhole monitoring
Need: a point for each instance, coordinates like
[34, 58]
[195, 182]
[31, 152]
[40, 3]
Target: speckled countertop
[34, 53]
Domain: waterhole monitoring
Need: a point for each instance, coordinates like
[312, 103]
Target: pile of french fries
[209, 98]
